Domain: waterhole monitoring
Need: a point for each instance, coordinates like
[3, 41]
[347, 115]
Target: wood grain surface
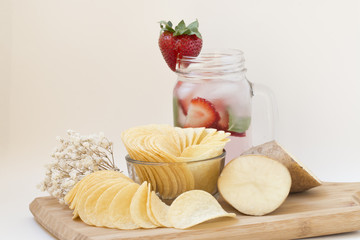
[328, 209]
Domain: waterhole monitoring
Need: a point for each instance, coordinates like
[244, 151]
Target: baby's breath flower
[76, 157]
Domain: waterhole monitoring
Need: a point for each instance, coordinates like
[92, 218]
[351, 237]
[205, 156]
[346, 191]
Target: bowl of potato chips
[175, 160]
[170, 179]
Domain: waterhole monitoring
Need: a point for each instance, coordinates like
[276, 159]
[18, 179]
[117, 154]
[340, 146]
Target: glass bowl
[170, 179]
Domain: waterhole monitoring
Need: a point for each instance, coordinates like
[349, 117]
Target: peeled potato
[302, 178]
[254, 184]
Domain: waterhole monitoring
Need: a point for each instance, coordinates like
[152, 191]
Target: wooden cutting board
[328, 209]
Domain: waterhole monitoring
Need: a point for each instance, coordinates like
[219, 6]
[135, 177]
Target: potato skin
[302, 179]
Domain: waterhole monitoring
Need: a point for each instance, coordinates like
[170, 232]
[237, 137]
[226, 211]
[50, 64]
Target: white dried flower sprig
[76, 157]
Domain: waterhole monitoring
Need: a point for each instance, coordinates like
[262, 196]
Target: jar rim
[211, 62]
[214, 53]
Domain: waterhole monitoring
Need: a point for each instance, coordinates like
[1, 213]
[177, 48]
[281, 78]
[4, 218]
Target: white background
[95, 66]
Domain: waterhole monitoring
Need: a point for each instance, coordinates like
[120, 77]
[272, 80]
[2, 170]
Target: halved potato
[254, 184]
[302, 178]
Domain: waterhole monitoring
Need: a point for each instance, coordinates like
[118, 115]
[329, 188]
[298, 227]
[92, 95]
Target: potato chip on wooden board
[100, 215]
[88, 183]
[69, 197]
[194, 207]
[119, 208]
[148, 208]
[138, 207]
[73, 194]
[159, 210]
[117, 202]
[88, 200]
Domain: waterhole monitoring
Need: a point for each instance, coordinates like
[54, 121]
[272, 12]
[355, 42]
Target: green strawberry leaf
[238, 124]
[181, 25]
[166, 26]
[194, 25]
[181, 28]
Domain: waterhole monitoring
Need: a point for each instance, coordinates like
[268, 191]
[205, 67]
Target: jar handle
[272, 109]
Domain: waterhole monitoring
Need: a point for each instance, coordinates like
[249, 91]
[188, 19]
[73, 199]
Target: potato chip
[141, 170]
[119, 209]
[95, 178]
[166, 130]
[148, 208]
[156, 175]
[199, 152]
[92, 180]
[180, 178]
[190, 134]
[159, 210]
[100, 215]
[194, 207]
[168, 178]
[208, 132]
[150, 173]
[138, 207]
[71, 197]
[189, 179]
[142, 175]
[170, 182]
[156, 179]
[182, 137]
[220, 136]
[88, 200]
[197, 134]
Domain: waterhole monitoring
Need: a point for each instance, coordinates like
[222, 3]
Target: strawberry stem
[181, 28]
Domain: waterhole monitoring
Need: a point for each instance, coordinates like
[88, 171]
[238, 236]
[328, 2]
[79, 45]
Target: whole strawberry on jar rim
[181, 41]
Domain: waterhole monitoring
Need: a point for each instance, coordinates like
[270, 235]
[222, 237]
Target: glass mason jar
[212, 91]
